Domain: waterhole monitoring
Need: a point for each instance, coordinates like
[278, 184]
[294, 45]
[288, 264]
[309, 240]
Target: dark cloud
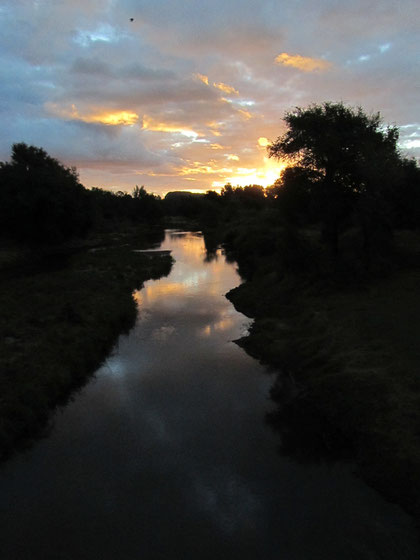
[137, 71]
[91, 66]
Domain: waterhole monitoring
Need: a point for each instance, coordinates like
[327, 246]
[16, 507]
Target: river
[166, 453]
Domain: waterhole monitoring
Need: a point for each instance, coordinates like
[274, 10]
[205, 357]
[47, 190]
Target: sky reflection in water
[166, 453]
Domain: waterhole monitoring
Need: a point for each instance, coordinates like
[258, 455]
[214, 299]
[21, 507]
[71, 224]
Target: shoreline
[363, 398]
[59, 325]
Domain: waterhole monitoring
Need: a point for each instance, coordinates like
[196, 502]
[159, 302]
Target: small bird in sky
[131, 19]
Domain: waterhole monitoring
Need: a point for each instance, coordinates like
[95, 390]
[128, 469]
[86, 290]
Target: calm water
[166, 454]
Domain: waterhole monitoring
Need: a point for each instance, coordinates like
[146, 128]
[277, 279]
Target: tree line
[43, 202]
[345, 172]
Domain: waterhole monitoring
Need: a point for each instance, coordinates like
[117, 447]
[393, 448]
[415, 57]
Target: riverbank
[352, 354]
[59, 321]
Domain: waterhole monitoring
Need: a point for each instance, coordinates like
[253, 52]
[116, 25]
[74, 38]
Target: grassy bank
[59, 322]
[351, 352]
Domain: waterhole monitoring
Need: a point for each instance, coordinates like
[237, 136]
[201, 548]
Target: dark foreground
[166, 453]
[351, 353]
[61, 314]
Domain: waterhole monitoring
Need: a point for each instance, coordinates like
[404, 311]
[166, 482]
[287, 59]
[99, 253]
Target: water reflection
[166, 455]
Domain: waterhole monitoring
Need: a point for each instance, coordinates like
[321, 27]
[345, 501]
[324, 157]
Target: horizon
[188, 97]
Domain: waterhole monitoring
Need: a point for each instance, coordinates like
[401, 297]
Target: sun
[264, 175]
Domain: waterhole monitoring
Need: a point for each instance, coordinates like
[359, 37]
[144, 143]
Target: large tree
[350, 156]
[41, 200]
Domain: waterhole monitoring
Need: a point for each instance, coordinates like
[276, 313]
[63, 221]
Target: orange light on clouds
[198, 168]
[263, 142]
[245, 114]
[102, 116]
[304, 63]
[225, 88]
[202, 78]
[149, 123]
[121, 117]
[230, 90]
[214, 129]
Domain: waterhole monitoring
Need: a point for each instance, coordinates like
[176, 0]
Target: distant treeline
[43, 202]
[344, 172]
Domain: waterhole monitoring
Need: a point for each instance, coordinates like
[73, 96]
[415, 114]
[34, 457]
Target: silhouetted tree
[293, 192]
[405, 198]
[183, 203]
[114, 209]
[147, 206]
[41, 200]
[250, 197]
[349, 154]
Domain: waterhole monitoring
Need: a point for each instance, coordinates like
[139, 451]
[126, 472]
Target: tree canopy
[41, 199]
[351, 158]
[43, 202]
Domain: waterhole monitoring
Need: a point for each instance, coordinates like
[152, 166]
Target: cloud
[132, 103]
[225, 88]
[245, 114]
[304, 63]
[90, 66]
[202, 78]
[101, 116]
[149, 123]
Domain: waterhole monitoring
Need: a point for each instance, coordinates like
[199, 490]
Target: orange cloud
[101, 116]
[121, 117]
[149, 123]
[203, 78]
[225, 88]
[214, 128]
[245, 114]
[304, 63]
[199, 168]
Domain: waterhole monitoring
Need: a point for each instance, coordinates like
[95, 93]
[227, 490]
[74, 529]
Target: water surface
[166, 453]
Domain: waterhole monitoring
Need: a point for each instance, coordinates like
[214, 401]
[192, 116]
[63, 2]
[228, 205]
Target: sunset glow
[264, 176]
[121, 117]
[304, 63]
[96, 116]
[156, 126]
[178, 99]
[226, 89]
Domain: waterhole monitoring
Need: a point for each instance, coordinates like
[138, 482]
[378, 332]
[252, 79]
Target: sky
[186, 95]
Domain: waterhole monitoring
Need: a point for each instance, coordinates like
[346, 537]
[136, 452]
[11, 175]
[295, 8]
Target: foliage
[352, 161]
[111, 210]
[61, 322]
[43, 202]
[405, 199]
[294, 193]
[183, 203]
